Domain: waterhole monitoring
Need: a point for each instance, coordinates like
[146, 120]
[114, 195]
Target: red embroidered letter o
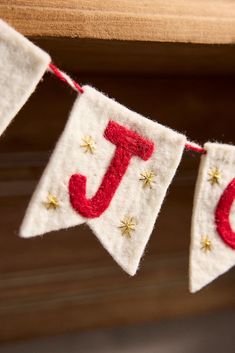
[222, 214]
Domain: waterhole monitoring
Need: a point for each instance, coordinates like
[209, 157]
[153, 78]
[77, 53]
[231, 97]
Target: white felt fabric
[205, 266]
[22, 64]
[90, 115]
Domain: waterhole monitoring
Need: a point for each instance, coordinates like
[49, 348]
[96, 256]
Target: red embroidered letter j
[128, 144]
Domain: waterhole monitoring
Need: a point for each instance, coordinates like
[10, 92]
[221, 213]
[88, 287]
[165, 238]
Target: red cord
[193, 148]
[65, 78]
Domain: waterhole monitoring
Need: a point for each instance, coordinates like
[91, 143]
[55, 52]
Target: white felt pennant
[22, 64]
[91, 146]
[212, 236]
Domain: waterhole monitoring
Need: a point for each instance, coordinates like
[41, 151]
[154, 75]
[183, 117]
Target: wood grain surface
[196, 21]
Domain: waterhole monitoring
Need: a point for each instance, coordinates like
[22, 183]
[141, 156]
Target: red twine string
[193, 148]
[65, 78]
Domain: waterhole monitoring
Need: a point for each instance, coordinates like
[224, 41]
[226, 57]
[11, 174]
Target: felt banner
[111, 169]
[22, 65]
[213, 225]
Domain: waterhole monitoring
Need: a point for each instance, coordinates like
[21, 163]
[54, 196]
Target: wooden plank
[144, 20]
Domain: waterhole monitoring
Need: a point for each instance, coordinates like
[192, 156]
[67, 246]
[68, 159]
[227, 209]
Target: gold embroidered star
[52, 202]
[206, 244]
[147, 178]
[88, 144]
[127, 226]
[215, 176]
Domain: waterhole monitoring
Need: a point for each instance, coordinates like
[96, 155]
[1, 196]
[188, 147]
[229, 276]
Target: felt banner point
[22, 65]
[105, 191]
[212, 233]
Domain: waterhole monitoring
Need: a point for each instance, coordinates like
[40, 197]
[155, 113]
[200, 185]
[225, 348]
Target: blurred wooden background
[65, 280]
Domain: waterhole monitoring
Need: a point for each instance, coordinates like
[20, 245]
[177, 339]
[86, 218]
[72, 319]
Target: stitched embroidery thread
[52, 202]
[147, 179]
[88, 144]
[215, 176]
[127, 226]
[206, 244]
[128, 144]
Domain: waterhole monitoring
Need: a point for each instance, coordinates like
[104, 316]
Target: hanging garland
[111, 169]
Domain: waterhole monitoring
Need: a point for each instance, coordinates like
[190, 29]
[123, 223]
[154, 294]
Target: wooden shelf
[195, 21]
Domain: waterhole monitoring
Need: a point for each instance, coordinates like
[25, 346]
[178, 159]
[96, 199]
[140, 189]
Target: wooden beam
[208, 21]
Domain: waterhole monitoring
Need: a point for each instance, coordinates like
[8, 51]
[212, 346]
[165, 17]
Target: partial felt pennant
[22, 64]
[111, 169]
[213, 225]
